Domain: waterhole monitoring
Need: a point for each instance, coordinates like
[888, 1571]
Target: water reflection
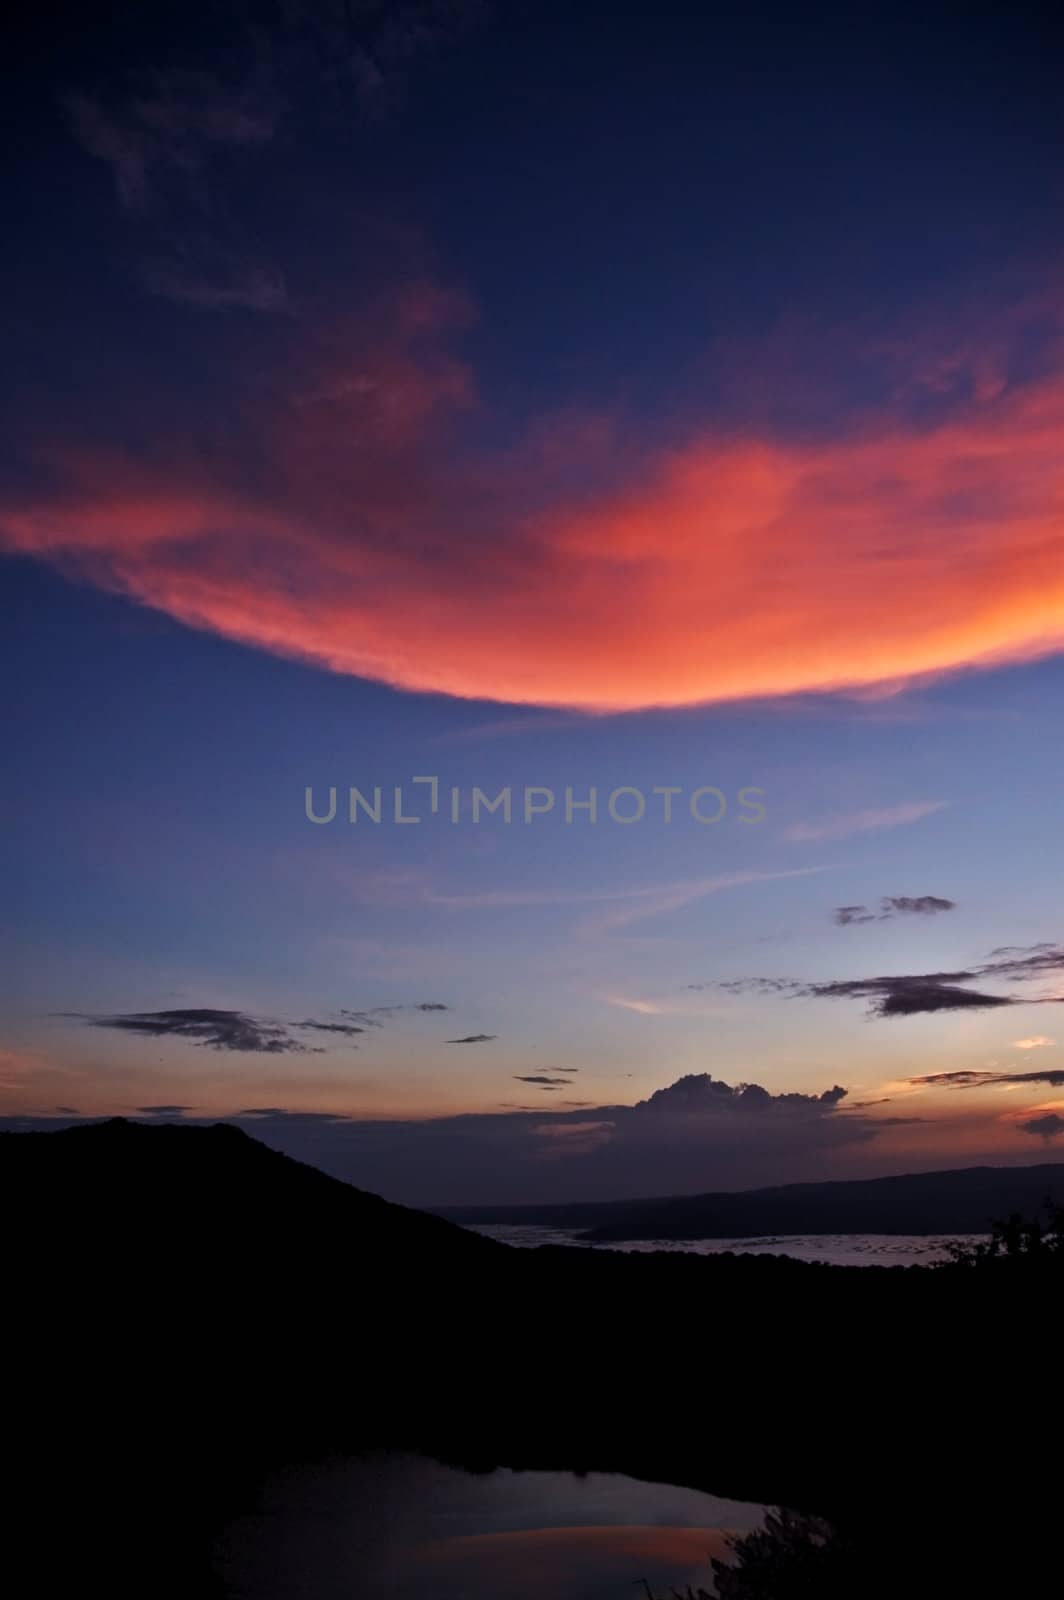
[837, 1249]
[391, 1527]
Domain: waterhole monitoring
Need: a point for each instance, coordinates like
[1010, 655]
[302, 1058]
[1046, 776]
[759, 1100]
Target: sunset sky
[542, 398]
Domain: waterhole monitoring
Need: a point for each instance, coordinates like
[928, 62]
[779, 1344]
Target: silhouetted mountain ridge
[966, 1200]
[188, 1309]
[172, 1180]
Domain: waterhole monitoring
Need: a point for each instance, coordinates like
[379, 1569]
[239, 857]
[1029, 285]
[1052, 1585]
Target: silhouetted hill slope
[964, 1201]
[216, 1184]
[183, 1304]
[186, 1308]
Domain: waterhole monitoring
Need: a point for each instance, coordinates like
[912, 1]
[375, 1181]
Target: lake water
[840, 1249]
[400, 1527]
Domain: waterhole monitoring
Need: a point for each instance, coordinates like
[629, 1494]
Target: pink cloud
[352, 526]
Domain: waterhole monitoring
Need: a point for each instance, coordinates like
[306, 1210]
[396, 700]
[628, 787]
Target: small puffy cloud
[1038, 1041]
[240, 1031]
[344, 1029]
[845, 916]
[365, 1019]
[983, 1080]
[1017, 963]
[761, 986]
[920, 905]
[894, 905]
[217, 1030]
[473, 1038]
[372, 1017]
[1046, 1127]
[915, 993]
[700, 1093]
[909, 995]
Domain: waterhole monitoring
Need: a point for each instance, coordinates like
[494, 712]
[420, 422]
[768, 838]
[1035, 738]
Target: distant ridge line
[961, 1200]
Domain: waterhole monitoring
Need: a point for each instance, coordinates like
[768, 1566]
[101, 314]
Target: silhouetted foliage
[1033, 1242]
[791, 1557]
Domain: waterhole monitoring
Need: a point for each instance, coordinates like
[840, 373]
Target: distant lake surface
[400, 1527]
[839, 1249]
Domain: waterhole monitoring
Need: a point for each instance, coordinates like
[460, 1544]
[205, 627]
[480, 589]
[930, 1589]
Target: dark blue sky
[544, 398]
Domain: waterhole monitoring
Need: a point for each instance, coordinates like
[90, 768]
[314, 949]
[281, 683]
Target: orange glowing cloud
[360, 533]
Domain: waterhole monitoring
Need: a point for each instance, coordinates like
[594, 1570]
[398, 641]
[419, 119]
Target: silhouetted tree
[1018, 1240]
[792, 1557]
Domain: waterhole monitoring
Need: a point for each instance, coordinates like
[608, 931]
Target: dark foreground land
[187, 1309]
